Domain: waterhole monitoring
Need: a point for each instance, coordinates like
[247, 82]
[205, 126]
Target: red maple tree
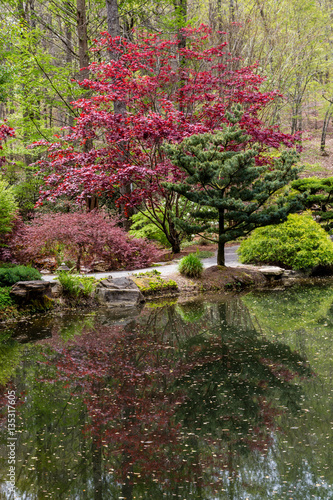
[169, 93]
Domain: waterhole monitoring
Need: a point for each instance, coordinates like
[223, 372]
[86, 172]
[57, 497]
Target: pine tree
[232, 184]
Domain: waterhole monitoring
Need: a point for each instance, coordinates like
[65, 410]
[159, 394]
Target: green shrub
[74, 285]
[142, 227]
[11, 275]
[8, 207]
[5, 298]
[190, 266]
[318, 198]
[299, 243]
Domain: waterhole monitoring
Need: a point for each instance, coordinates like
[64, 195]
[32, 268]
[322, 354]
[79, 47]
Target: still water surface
[225, 399]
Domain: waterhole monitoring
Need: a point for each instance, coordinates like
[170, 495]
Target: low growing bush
[300, 243]
[190, 266]
[82, 237]
[11, 275]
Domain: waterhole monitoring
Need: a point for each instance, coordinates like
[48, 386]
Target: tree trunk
[119, 106]
[173, 238]
[221, 242]
[113, 18]
[327, 118]
[82, 34]
[181, 15]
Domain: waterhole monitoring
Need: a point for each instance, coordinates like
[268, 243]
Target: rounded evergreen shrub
[11, 275]
[190, 266]
[299, 243]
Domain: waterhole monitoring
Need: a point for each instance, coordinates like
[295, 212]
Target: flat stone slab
[28, 290]
[271, 270]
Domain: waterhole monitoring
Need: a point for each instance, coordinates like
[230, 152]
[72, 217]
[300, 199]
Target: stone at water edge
[271, 270]
[118, 292]
[36, 289]
[30, 290]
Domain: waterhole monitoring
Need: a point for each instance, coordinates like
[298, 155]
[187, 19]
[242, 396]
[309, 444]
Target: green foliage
[8, 207]
[10, 276]
[76, 286]
[5, 77]
[191, 266]
[152, 273]
[142, 227]
[319, 198]
[299, 243]
[5, 298]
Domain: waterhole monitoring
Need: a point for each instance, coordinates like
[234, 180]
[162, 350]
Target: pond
[219, 398]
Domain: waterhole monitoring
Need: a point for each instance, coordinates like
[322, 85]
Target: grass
[191, 266]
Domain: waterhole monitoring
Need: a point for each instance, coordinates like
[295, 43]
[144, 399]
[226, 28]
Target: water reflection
[186, 401]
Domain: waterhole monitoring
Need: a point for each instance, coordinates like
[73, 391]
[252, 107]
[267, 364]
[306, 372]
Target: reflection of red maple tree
[122, 376]
[155, 412]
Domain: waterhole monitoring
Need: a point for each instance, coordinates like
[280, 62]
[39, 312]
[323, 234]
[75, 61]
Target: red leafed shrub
[5, 131]
[83, 237]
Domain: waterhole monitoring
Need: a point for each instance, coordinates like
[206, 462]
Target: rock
[56, 289]
[63, 267]
[99, 266]
[271, 271]
[84, 270]
[47, 263]
[45, 271]
[118, 292]
[30, 290]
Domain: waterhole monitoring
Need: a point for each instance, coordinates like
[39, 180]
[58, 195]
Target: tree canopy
[231, 190]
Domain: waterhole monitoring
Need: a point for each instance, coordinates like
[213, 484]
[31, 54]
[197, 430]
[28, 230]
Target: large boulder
[30, 290]
[118, 292]
[26, 291]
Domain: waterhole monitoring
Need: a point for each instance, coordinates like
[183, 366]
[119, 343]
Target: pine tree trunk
[221, 242]
[220, 254]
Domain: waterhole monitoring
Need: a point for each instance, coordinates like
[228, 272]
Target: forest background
[45, 45]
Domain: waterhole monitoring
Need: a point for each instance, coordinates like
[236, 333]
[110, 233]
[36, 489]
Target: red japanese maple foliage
[82, 237]
[5, 131]
[168, 93]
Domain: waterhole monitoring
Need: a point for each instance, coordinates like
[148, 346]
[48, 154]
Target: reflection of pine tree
[236, 383]
[237, 314]
[171, 405]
